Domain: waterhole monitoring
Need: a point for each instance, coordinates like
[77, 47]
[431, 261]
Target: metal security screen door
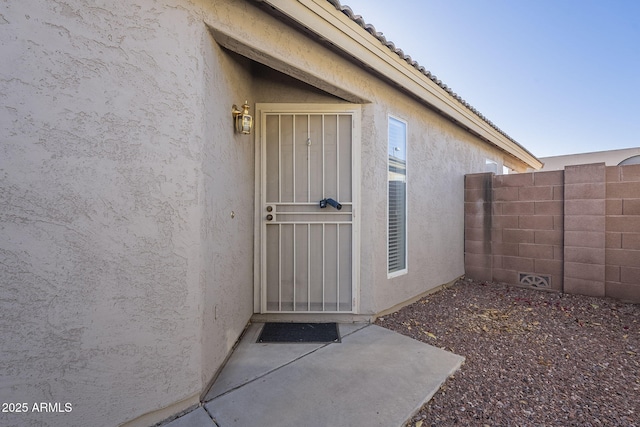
[308, 209]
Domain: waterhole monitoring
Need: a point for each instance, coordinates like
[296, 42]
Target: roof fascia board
[323, 19]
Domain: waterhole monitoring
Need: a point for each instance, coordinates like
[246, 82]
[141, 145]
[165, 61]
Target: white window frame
[402, 271]
[491, 166]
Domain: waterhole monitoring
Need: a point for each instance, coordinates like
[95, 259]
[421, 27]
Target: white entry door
[308, 209]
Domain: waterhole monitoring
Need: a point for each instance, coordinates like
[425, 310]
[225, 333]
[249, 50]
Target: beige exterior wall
[125, 279]
[609, 158]
[127, 202]
[438, 153]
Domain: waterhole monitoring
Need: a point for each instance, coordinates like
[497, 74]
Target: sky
[558, 76]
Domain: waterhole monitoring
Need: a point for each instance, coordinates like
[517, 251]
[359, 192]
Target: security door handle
[331, 202]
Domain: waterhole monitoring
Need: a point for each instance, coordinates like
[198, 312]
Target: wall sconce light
[243, 120]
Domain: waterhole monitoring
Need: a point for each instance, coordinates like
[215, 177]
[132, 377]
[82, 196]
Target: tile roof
[372, 30]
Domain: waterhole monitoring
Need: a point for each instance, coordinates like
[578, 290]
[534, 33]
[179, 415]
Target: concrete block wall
[527, 228]
[622, 235]
[584, 209]
[575, 231]
[477, 230]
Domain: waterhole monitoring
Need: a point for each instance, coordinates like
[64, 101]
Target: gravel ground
[533, 358]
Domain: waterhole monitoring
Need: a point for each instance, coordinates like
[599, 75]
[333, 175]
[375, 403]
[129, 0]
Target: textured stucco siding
[127, 203]
[610, 158]
[227, 223]
[438, 154]
[109, 243]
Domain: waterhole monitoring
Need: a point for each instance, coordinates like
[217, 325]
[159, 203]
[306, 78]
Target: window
[491, 166]
[633, 160]
[397, 197]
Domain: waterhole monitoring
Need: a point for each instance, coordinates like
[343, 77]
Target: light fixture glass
[243, 120]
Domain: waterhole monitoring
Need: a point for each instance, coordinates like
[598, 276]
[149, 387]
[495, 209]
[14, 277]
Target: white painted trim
[356, 173]
[405, 270]
[260, 184]
[323, 19]
[257, 223]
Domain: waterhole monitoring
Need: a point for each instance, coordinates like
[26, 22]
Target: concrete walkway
[374, 377]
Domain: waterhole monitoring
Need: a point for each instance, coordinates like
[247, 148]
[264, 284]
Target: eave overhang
[327, 22]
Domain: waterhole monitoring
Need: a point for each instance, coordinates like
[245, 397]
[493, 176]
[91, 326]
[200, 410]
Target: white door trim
[260, 189]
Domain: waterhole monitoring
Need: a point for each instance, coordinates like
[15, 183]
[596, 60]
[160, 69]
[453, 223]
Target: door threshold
[312, 317]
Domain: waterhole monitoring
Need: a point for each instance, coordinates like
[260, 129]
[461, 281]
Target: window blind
[397, 196]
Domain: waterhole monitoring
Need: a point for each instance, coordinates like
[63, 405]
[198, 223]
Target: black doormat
[279, 332]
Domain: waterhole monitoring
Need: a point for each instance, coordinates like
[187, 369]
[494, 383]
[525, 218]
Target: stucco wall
[609, 158]
[125, 277]
[229, 183]
[127, 202]
[227, 223]
[439, 154]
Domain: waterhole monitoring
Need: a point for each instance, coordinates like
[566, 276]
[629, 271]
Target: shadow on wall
[575, 231]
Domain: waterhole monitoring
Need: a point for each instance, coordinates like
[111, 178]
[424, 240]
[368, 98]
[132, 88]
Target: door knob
[269, 217]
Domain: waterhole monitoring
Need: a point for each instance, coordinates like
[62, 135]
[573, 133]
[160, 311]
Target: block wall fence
[575, 231]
